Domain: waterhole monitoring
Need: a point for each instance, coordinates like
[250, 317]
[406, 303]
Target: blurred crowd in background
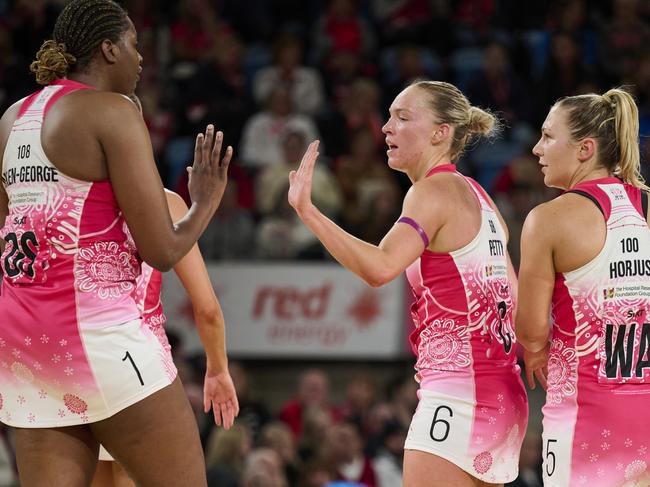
[275, 74]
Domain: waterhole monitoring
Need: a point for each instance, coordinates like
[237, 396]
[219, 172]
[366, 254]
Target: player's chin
[549, 181]
[395, 163]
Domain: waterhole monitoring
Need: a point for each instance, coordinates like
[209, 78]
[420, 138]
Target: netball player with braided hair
[451, 241]
[585, 256]
[77, 367]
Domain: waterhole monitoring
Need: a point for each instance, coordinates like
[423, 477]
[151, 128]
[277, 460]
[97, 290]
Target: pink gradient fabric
[464, 341]
[599, 373]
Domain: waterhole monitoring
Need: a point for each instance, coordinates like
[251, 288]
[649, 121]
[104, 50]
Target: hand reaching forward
[209, 172]
[219, 393]
[537, 366]
[300, 180]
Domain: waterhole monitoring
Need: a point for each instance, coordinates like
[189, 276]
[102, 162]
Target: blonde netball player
[451, 241]
[586, 258]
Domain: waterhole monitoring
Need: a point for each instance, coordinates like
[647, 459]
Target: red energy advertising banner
[296, 311]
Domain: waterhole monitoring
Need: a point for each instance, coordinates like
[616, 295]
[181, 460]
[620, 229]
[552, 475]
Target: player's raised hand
[209, 172]
[300, 181]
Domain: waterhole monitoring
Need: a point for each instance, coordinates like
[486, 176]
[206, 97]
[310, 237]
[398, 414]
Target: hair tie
[611, 102]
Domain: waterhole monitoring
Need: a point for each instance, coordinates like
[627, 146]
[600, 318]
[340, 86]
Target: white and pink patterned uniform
[72, 346]
[147, 298]
[595, 431]
[473, 409]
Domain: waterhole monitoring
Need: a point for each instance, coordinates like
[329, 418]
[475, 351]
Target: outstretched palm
[300, 180]
[219, 394]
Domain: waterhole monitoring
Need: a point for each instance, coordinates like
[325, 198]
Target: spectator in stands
[303, 83]
[390, 456]
[360, 395]
[313, 390]
[316, 422]
[271, 183]
[261, 140]
[230, 235]
[278, 437]
[343, 449]
[263, 468]
[226, 453]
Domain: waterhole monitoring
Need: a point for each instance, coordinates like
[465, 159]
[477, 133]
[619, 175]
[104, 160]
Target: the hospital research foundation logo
[315, 314]
[609, 293]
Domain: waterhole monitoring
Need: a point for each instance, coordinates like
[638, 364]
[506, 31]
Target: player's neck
[95, 80]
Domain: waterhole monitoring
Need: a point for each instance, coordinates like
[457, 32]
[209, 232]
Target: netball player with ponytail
[585, 257]
[77, 366]
[451, 241]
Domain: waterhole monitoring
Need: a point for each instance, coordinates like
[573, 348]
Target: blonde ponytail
[613, 120]
[626, 118]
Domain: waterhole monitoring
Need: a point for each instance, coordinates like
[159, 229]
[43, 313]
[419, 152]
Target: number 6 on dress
[436, 421]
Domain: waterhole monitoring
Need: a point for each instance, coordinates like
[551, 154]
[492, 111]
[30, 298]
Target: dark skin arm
[110, 141]
[139, 190]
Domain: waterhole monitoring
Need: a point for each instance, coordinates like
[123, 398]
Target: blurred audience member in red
[313, 390]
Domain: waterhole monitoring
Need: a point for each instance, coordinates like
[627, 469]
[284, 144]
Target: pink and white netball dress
[72, 346]
[595, 430]
[147, 296]
[473, 409]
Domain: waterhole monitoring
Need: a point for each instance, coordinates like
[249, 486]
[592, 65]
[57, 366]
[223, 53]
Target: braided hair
[79, 30]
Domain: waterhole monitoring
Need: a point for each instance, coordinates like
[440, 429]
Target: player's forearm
[365, 260]
[532, 338]
[211, 330]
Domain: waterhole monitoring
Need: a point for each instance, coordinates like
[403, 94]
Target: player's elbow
[378, 277]
[162, 260]
[160, 265]
[209, 314]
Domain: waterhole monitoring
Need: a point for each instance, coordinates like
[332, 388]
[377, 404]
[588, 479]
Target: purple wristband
[418, 228]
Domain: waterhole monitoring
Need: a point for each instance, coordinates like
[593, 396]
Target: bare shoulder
[6, 122]
[9, 116]
[435, 189]
[561, 216]
[575, 206]
[545, 215]
[98, 106]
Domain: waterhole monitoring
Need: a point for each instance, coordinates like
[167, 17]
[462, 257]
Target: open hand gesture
[209, 172]
[300, 180]
[219, 394]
